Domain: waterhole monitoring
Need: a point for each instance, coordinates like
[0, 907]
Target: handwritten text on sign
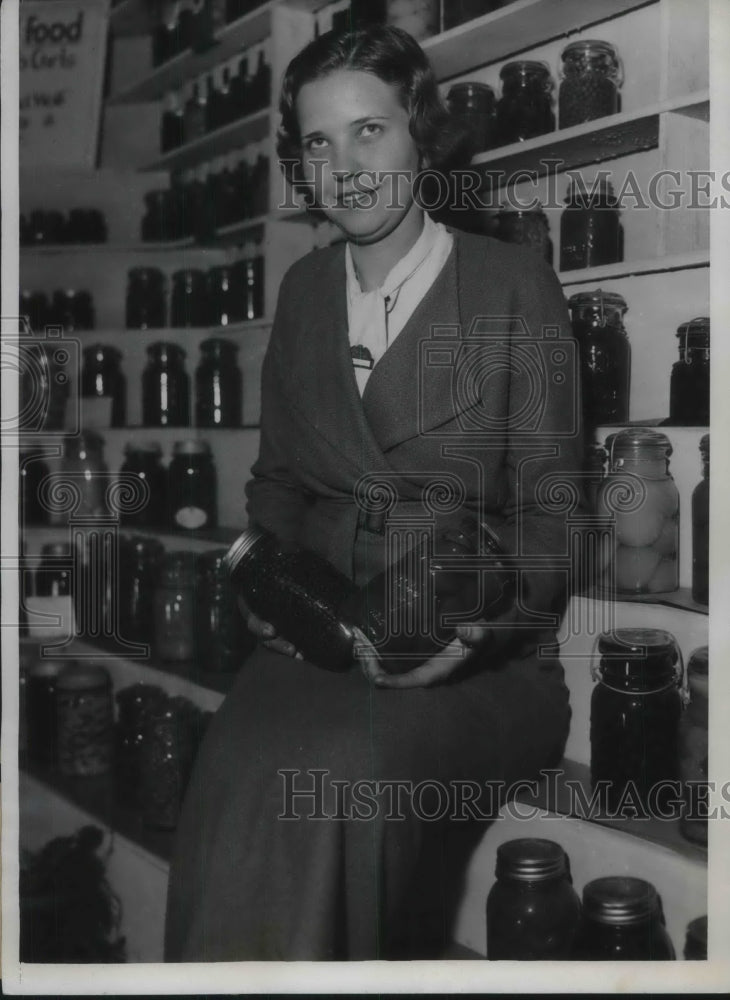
[62, 48]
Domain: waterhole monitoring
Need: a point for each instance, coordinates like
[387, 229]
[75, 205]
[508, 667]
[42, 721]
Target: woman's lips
[358, 199]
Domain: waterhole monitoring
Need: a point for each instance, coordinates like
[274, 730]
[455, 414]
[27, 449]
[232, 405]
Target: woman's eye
[370, 129]
[317, 143]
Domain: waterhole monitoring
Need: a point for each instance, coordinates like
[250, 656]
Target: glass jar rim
[583, 46]
[145, 447]
[530, 859]
[471, 86]
[242, 546]
[508, 211]
[637, 642]
[640, 443]
[579, 193]
[698, 662]
[109, 350]
[598, 298]
[525, 67]
[219, 345]
[166, 347]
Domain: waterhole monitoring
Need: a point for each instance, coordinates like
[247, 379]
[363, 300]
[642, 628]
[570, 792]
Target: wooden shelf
[560, 795]
[242, 228]
[174, 74]
[163, 332]
[252, 128]
[593, 142]
[515, 28]
[680, 599]
[630, 269]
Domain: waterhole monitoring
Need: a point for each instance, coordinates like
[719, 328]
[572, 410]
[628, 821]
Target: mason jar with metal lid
[176, 607]
[689, 393]
[641, 496]
[701, 529]
[54, 574]
[143, 460]
[33, 470]
[590, 228]
[622, 920]
[85, 720]
[693, 749]
[188, 300]
[605, 355]
[192, 486]
[474, 105]
[140, 560]
[145, 303]
[172, 734]
[136, 704]
[102, 376]
[218, 385]
[525, 109]
[636, 707]
[590, 83]
[298, 592]
[533, 911]
[223, 641]
[165, 387]
[695, 944]
[83, 459]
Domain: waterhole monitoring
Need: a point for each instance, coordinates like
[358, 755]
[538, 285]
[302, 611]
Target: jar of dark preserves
[83, 460]
[701, 529]
[33, 471]
[218, 385]
[192, 486]
[693, 749]
[590, 84]
[527, 227]
[248, 275]
[401, 612]
[176, 607]
[458, 11]
[136, 704]
[622, 921]
[54, 574]
[145, 307]
[143, 460]
[36, 308]
[525, 109]
[85, 720]
[40, 710]
[641, 496]
[140, 561]
[533, 911]
[73, 310]
[188, 302]
[605, 355]
[695, 944]
[166, 760]
[101, 377]
[474, 104]
[226, 299]
[635, 711]
[298, 592]
[165, 387]
[159, 220]
[689, 394]
[223, 641]
[590, 230]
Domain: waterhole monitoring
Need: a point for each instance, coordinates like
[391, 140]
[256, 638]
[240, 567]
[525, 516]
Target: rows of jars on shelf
[181, 495]
[181, 25]
[218, 385]
[206, 105]
[219, 296]
[43, 227]
[200, 203]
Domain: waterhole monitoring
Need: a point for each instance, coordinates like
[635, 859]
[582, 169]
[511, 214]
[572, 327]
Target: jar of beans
[85, 720]
[591, 78]
[528, 227]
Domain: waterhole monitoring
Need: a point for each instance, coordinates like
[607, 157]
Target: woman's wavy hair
[395, 58]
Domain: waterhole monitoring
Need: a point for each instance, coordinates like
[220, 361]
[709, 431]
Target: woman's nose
[343, 166]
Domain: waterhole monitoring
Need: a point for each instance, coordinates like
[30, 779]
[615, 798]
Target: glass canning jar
[622, 920]
[248, 276]
[135, 704]
[85, 720]
[605, 355]
[218, 385]
[298, 592]
[143, 460]
[689, 394]
[54, 575]
[33, 470]
[176, 607]
[525, 109]
[102, 376]
[641, 496]
[695, 944]
[83, 459]
[591, 78]
[527, 227]
[192, 486]
[226, 299]
[636, 706]
[590, 229]
[188, 302]
[693, 749]
[140, 561]
[533, 911]
[474, 104]
[165, 387]
[420, 18]
[701, 529]
[223, 640]
[145, 304]
[172, 734]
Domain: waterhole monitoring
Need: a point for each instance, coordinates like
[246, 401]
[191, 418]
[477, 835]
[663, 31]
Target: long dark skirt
[345, 872]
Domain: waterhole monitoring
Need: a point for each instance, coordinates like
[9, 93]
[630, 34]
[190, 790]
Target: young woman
[304, 833]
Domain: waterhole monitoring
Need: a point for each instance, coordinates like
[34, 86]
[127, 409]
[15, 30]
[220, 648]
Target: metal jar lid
[165, 349]
[83, 677]
[620, 900]
[590, 46]
[705, 446]
[242, 546]
[531, 859]
[102, 352]
[698, 662]
[525, 67]
[599, 300]
[639, 443]
[637, 642]
[695, 333]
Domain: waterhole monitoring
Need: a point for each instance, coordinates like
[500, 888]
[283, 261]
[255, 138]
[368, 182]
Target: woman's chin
[362, 225]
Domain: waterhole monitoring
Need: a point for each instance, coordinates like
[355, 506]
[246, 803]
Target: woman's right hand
[265, 632]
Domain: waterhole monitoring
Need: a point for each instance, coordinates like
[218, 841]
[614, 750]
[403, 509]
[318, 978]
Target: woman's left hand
[447, 662]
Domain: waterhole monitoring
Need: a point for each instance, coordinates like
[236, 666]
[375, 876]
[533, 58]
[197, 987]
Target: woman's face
[358, 152]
